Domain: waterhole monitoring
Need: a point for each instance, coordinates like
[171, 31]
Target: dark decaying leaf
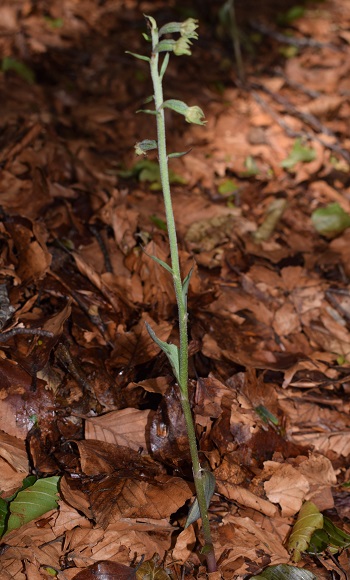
[106, 570]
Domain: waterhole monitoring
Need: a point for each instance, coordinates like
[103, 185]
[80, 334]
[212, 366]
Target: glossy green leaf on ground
[33, 502]
[309, 520]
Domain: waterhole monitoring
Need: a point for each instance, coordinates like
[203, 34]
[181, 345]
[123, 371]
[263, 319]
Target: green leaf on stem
[164, 66]
[161, 263]
[171, 350]
[179, 154]
[167, 45]
[185, 285]
[139, 56]
[209, 488]
[147, 111]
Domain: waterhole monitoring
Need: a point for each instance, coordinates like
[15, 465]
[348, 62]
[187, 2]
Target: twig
[4, 336]
[303, 134]
[267, 31]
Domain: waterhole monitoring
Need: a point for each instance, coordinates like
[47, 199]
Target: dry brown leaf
[126, 427]
[286, 486]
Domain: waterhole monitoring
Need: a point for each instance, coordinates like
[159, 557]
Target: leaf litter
[85, 394]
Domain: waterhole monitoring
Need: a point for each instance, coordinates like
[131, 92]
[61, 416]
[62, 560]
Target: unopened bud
[195, 115]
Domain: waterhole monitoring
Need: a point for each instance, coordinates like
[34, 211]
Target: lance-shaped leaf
[139, 56]
[209, 488]
[148, 111]
[185, 285]
[161, 263]
[171, 350]
[330, 538]
[179, 154]
[309, 520]
[164, 66]
[142, 147]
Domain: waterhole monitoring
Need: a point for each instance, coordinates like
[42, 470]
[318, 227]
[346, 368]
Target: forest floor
[262, 205]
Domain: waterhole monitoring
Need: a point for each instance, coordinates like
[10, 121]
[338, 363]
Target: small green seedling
[22, 70]
[330, 221]
[163, 44]
[299, 153]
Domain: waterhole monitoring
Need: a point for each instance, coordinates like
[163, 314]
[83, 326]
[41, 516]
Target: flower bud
[195, 115]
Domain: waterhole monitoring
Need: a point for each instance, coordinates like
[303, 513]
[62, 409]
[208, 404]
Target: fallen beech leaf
[126, 427]
[309, 519]
[106, 570]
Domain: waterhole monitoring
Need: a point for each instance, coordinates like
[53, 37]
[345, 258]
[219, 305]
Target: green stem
[181, 304]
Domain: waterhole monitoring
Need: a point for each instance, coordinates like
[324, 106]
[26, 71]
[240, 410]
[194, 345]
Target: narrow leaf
[33, 502]
[179, 154]
[139, 56]
[185, 285]
[161, 263]
[164, 66]
[209, 488]
[159, 223]
[148, 111]
[309, 520]
[26, 73]
[171, 350]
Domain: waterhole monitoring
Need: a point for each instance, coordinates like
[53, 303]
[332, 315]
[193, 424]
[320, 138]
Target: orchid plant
[163, 44]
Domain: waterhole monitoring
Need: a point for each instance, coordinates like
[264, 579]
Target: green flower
[195, 115]
[182, 46]
[188, 27]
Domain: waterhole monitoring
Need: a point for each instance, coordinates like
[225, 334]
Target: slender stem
[181, 304]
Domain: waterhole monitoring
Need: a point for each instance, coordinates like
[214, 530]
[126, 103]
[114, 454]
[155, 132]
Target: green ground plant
[163, 44]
